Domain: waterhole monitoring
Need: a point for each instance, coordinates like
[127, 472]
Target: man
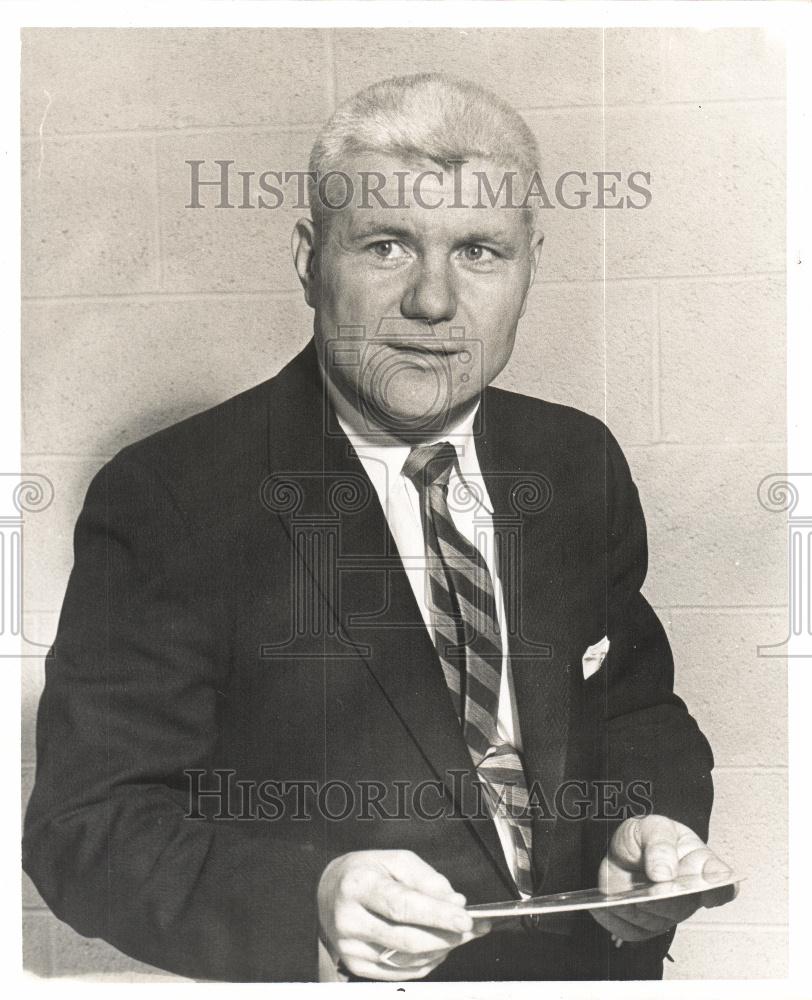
[373, 576]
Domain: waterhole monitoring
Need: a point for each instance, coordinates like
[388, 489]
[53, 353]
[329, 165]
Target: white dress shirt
[471, 510]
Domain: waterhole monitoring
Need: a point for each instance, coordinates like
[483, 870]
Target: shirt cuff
[328, 967]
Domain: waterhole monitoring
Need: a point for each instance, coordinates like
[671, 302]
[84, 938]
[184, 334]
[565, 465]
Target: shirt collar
[393, 455]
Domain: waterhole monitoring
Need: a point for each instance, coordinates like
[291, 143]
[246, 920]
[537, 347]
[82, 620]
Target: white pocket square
[594, 656]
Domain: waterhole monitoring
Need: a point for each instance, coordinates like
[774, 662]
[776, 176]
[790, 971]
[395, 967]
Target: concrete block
[629, 333]
[32, 678]
[39, 629]
[723, 360]
[26, 785]
[100, 375]
[738, 698]
[717, 190]
[589, 350]
[573, 237]
[531, 69]
[229, 249]
[702, 952]
[47, 549]
[749, 831]
[31, 897]
[710, 541]
[69, 355]
[37, 943]
[88, 216]
[653, 65]
[164, 78]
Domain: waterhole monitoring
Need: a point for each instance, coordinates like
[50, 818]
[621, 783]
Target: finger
[413, 871]
[676, 910]
[658, 838]
[705, 863]
[612, 878]
[634, 838]
[625, 930]
[409, 939]
[403, 905]
[714, 868]
[718, 897]
[365, 952]
[641, 916]
[608, 920]
[416, 941]
[408, 961]
[354, 922]
[371, 970]
[688, 842]
[481, 927]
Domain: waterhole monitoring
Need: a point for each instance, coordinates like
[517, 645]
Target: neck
[351, 411]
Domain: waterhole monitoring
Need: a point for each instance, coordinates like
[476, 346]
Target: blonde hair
[425, 116]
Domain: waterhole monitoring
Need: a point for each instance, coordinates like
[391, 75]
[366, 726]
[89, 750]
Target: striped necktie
[462, 605]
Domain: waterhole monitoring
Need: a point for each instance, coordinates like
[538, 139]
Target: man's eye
[387, 249]
[475, 254]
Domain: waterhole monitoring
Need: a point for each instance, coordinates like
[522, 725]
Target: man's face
[417, 307]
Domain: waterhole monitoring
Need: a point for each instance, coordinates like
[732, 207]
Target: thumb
[410, 869]
[647, 844]
[713, 870]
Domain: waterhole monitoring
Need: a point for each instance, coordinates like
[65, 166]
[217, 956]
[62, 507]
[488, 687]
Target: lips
[442, 350]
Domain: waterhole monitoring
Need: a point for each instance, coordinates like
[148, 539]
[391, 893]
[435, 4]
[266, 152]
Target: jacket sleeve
[133, 681]
[647, 734]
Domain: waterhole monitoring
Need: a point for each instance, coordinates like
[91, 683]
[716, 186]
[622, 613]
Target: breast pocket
[593, 658]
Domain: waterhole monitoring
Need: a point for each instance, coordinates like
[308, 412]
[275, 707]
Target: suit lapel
[526, 524]
[373, 606]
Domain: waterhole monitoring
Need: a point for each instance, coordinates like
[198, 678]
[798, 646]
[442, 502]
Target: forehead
[386, 192]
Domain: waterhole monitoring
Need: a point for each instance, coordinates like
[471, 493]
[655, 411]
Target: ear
[536, 243]
[303, 246]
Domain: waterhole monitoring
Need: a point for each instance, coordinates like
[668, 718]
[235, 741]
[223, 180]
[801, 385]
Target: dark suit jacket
[237, 604]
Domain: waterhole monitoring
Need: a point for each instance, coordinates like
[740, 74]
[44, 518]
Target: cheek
[492, 320]
[356, 298]
[494, 309]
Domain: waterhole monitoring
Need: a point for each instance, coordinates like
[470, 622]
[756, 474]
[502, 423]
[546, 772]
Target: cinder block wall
[668, 322]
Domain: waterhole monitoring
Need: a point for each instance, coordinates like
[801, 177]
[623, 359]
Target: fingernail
[618, 942]
[662, 873]
[463, 924]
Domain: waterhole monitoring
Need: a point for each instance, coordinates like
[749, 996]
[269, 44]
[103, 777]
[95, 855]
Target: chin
[413, 420]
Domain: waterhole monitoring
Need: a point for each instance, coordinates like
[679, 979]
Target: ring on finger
[385, 958]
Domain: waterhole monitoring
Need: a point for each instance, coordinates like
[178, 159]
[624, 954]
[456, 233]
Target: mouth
[429, 349]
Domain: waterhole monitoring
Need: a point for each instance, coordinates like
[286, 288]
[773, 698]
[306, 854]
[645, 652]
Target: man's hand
[659, 849]
[374, 903]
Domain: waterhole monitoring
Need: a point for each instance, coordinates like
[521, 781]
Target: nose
[431, 295]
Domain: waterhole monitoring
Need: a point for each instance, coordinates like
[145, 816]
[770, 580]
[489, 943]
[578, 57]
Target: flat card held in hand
[594, 899]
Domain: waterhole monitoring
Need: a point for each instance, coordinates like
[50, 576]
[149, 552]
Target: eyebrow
[378, 228]
[485, 236]
[397, 231]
